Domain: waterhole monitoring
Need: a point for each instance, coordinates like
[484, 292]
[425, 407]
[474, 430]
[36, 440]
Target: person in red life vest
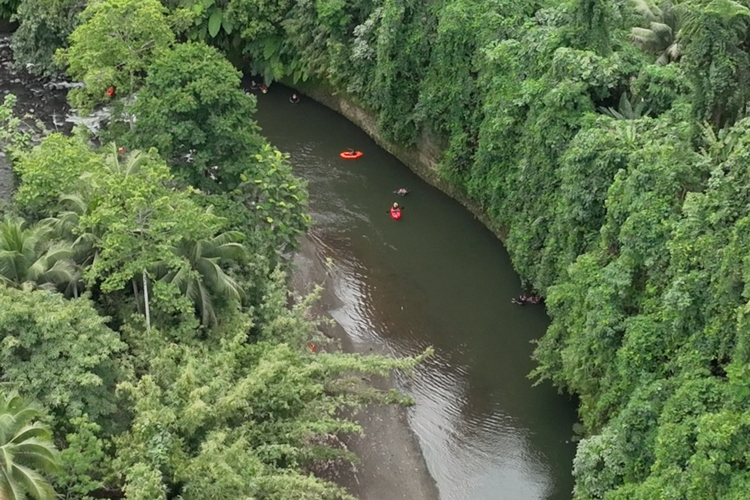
[122, 149]
[395, 211]
[263, 88]
[312, 347]
[294, 99]
[111, 91]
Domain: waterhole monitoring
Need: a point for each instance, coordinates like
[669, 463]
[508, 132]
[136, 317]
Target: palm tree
[626, 110]
[26, 449]
[202, 276]
[29, 258]
[133, 161]
[661, 37]
[731, 14]
[66, 226]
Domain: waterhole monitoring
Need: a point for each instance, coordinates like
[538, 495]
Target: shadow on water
[436, 277]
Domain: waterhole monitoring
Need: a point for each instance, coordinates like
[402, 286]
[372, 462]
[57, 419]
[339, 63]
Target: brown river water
[439, 278]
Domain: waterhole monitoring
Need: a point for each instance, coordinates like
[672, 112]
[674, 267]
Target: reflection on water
[435, 278]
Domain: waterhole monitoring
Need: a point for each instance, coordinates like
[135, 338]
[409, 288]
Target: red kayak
[395, 213]
[348, 155]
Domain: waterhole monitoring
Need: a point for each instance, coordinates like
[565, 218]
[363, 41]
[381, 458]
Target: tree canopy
[609, 138]
[143, 294]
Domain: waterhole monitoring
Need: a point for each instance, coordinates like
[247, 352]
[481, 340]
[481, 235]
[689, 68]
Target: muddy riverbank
[391, 462]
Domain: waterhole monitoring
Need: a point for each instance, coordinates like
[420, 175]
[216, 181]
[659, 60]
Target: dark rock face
[6, 178]
[37, 99]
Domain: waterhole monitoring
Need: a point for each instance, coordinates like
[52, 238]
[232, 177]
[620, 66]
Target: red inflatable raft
[347, 155]
[395, 213]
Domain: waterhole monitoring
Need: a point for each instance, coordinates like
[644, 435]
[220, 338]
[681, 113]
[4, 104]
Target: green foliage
[199, 380]
[44, 27]
[634, 224]
[626, 110]
[193, 111]
[64, 358]
[661, 34]
[30, 258]
[141, 221]
[593, 23]
[277, 199]
[636, 229]
[660, 86]
[202, 277]
[116, 42]
[715, 61]
[8, 8]
[15, 132]
[26, 451]
[83, 461]
[51, 170]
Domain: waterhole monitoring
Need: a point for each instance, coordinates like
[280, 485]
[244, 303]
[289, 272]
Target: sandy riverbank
[392, 466]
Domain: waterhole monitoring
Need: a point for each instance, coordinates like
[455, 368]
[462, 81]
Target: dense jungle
[145, 321]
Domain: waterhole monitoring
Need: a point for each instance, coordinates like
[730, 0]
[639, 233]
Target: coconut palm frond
[661, 29]
[25, 451]
[664, 25]
[202, 277]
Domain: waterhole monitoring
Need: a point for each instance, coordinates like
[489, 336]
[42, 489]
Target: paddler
[395, 211]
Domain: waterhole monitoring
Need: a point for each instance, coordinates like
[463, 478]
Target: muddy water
[435, 278]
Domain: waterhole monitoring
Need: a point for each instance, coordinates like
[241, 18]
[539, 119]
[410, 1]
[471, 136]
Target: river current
[439, 278]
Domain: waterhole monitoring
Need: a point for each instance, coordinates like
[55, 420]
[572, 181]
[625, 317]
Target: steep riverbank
[423, 158]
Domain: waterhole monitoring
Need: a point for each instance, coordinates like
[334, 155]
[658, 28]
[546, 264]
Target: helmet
[395, 205]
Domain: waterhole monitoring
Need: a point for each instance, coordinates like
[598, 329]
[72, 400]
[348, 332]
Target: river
[435, 278]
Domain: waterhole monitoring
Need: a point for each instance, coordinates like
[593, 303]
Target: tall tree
[716, 61]
[593, 20]
[194, 112]
[141, 220]
[113, 47]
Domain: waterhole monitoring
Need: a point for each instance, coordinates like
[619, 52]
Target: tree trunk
[145, 301]
[137, 300]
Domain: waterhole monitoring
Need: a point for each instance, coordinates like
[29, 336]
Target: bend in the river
[435, 278]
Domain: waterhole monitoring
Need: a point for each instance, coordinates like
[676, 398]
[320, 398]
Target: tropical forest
[155, 343]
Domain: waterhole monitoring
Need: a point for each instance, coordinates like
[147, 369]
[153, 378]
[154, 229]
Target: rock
[6, 178]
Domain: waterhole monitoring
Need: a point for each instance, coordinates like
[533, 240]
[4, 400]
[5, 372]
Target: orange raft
[348, 155]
